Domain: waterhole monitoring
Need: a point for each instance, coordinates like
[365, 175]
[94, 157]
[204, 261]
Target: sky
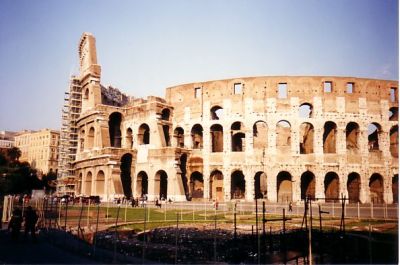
[144, 47]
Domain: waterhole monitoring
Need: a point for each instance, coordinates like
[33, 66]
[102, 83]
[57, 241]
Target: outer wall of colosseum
[276, 138]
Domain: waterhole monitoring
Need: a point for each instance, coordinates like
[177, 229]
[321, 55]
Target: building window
[327, 86]
[282, 90]
[350, 88]
[393, 94]
[237, 88]
[197, 92]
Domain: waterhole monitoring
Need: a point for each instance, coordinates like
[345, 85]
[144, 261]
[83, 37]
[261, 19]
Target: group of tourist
[29, 218]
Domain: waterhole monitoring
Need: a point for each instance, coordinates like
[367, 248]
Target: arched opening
[196, 185]
[144, 134]
[331, 185]
[197, 136]
[216, 113]
[237, 137]
[238, 185]
[142, 184]
[260, 185]
[129, 138]
[374, 130]
[86, 95]
[165, 114]
[284, 186]
[305, 110]
[166, 135]
[217, 185]
[179, 137]
[217, 138]
[394, 141]
[100, 182]
[376, 188]
[352, 132]
[114, 126]
[182, 167]
[161, 184]
[395, 188]
[88, 184]
[307, 185]
[283, 136]
[306, 138]
[353, 187]
[90, 137]
[126, 180]
[329, 137]
[82, 141]
[260, 135]
[394, 114]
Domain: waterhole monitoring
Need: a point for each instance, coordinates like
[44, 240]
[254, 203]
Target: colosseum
[279, 138]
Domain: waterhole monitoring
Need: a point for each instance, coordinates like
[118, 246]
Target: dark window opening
[353, 187]
[284, 187]
[238, 185]
[393, 94]
[182, 167]
[142, 184]
[196, 185]
[352, 132]
[306, 138]
[376, 188]
[217, 185]
[197, 136]
[126, 163]
[394, 141]
[114, 125]
[331, 185]
[162, 178]
[216, 113]
[395, 188]
[217, 140]
[373, 137]
[307, 185]
[394, 114]
[260, 185]
[260, 135]
[283, 137]
[166, 135]
[90, 140]
[129, 138]
[165, 114]
[144, 134]
[179, 136]
[329, 137]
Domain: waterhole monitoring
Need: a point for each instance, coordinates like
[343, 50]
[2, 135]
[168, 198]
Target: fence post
[372, 210]
[193, 210]
[358, 210]
[126, 208]
[88, 215]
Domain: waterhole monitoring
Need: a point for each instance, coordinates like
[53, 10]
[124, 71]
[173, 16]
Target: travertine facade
[277, 138]
[40, 149]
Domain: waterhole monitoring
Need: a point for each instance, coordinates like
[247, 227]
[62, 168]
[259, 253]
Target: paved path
[25, 251]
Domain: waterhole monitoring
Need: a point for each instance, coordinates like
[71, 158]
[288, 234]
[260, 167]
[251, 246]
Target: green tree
[14, 154]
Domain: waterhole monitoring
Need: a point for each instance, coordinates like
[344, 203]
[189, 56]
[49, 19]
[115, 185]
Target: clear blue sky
[146, 46]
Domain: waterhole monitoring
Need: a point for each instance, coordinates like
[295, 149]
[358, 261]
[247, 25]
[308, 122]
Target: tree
[14, 154]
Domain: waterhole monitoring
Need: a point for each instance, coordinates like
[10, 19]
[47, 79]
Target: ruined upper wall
[304, 88]
[88, 55]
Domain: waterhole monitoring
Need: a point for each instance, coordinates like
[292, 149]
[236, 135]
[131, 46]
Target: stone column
[206, 179]
[296, 187]
[227, 183]
[319, 183]
[249, 178]
[271, 187]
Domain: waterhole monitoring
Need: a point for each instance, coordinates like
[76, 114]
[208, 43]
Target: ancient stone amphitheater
[280, 138]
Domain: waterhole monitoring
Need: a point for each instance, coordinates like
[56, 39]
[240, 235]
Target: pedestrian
[290, 206]
[30, 222]
[15, 224]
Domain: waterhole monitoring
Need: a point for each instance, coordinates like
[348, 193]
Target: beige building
[7, 139]
[277, 138]
[39, 148]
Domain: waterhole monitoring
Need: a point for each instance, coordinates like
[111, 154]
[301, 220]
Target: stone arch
[352, 136]
[88, 184]
[179, 137]
[217, 185]
[305, 110]
[238, 185]
[114, 127]
[395, 188]
[394, 114]
[329, 137]
[142, 183]
[165, 114]
[237, 137]
[144, 134]
[129, 138]
[86, 94]
[353, 187]
[217, 138]
[331, 187]
[126, 179]
[196, 185]
[394, 141]
[216, 113]
[307, 185]
[197, 136]
[374, 131]
[306, 138]
[166, 135]
[283, 137]
[100, 182]
[161, 184]
[82, 140]
[260, 185]
[260, 135]
[284, 186]
[90, 138]
[376, 188]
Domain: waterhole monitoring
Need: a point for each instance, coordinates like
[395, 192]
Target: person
[30, 222]
[15, 224]
[290, 206]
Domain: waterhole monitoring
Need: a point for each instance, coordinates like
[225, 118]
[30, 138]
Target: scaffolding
[69, 138]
